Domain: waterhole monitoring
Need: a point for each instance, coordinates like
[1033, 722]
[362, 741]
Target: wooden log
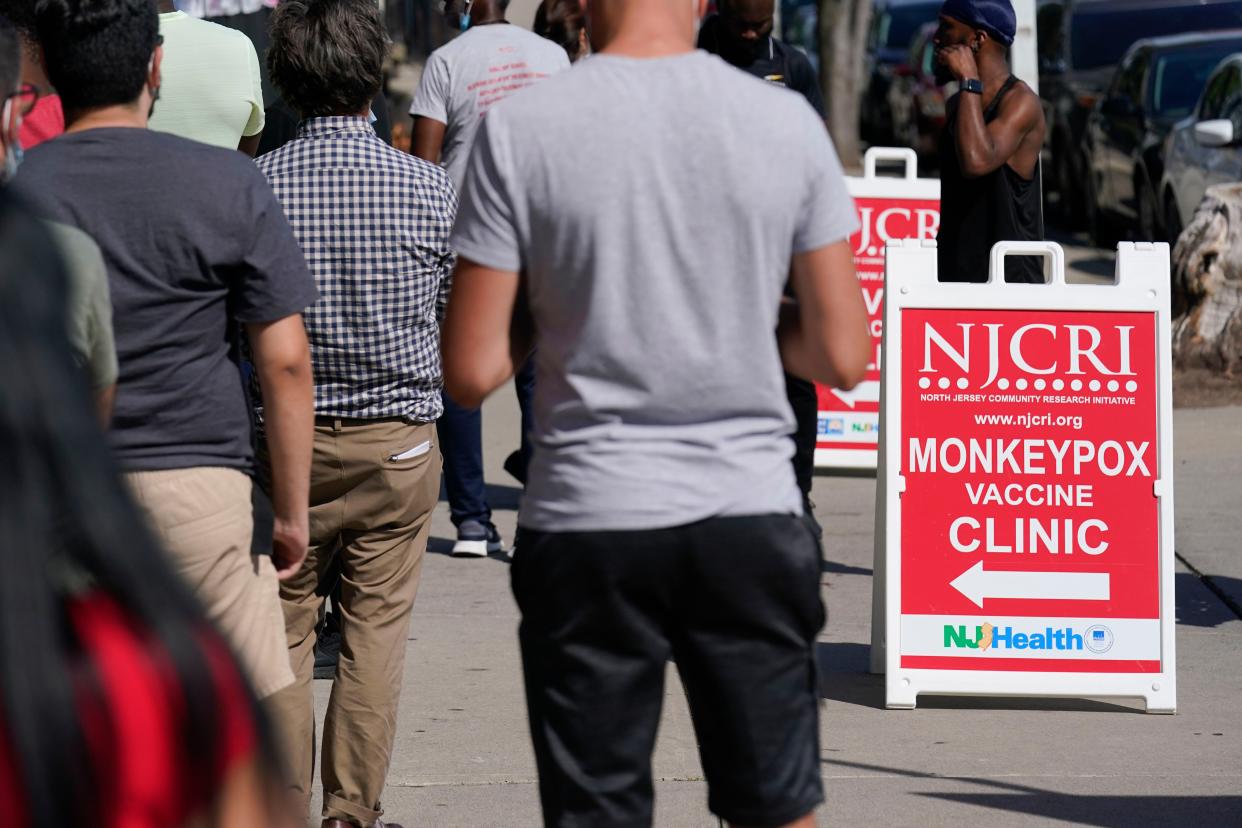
[1207, 284]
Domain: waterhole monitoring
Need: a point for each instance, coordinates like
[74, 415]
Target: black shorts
[735, 603]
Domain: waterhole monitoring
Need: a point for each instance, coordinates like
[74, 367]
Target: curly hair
[97, 51]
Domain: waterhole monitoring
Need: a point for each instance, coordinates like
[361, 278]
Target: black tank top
[975, 213]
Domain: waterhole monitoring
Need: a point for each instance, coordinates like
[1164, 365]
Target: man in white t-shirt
[211, 90]
[487, 63]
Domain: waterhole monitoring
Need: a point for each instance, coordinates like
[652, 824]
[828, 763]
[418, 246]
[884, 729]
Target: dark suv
[893, 26]
[1078, 61]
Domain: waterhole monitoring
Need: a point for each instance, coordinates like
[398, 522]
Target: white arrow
[868, 391]
[977, 584]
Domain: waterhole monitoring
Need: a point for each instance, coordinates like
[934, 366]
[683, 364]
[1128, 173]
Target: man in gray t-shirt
[461, 83]
[661, 515]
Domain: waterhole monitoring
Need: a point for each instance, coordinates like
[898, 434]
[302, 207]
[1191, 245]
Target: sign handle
[891, 154]
[1047, 249]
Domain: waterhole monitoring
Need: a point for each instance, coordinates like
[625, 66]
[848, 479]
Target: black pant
[735, 602]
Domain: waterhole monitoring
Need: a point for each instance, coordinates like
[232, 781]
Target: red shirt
[133, 728]
[45, 122]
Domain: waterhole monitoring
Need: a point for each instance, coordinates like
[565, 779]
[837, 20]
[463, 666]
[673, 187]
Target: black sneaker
[477, 539]
[327, 653]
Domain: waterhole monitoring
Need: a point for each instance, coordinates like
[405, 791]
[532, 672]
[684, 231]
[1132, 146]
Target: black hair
[97, 51]
[66, 521]
[562, 22]
[21, 14]
[327, 56]
[10, 57]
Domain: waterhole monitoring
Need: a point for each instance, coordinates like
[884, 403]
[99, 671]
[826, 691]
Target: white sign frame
[908, 186]
[1141, 284]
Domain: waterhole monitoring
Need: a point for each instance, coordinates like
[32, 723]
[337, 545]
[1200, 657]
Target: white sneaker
[476, 539]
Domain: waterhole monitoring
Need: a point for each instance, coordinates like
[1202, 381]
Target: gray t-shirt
[468, 75]
[654, 205]
[194, 242]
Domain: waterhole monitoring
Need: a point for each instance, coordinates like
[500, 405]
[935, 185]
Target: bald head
[643, 28]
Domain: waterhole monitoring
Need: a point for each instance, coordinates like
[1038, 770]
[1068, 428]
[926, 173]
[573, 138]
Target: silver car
[1206, 148]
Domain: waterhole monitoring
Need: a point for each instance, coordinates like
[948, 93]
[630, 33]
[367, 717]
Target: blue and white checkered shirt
[374, 225]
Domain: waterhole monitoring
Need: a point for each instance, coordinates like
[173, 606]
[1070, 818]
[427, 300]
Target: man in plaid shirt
[374, 225]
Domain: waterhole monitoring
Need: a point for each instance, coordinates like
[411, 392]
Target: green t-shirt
[90, 308]
[210, 87]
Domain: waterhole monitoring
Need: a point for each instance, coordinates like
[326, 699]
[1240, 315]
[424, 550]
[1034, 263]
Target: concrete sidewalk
[463, 757]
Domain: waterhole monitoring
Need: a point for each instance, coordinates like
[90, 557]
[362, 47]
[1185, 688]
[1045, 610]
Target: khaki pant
[203, 517]
[371, 514]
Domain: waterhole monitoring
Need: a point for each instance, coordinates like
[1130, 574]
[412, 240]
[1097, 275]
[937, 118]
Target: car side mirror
[1215, 133]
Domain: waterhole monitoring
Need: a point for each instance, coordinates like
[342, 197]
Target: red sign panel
[1029, 524]
[850, 420]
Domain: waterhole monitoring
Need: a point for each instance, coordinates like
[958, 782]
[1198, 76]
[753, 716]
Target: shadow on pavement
[843, 569]
[1108, 811]
[498, 497]
[1202, 603]
[843, 674]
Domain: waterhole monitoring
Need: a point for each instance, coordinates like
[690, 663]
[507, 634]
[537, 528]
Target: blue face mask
[464, 19]
[12, 147]
[12, 160]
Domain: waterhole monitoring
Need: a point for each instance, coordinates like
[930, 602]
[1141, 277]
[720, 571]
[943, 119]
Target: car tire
[1172, 220]
[1149, 228]
[1071, 197]
[1099, 228]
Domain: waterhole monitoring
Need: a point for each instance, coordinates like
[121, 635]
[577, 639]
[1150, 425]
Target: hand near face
[959, 60]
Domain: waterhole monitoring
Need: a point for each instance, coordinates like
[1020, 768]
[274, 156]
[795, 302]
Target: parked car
[893, 25]
[916, 100]
[1076, 68]
[1156, 85]
[1206, 148]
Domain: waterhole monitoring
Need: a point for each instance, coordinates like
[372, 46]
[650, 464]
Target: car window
[899, 24]
[1130, 79]
[1179, 77]
[1213, 104]
[1232, 106]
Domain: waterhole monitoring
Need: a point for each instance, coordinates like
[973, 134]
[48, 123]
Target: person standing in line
[989, 149]
[250, 17]
[563, 22]
[661, 518]
[120, 705]
[374, 223]
[197, 250]
[741, 34]
[89, 307]
[462, 81]
[47, 119]
[211, 89]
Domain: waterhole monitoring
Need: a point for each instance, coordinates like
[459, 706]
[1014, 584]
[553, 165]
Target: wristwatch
[972, 85]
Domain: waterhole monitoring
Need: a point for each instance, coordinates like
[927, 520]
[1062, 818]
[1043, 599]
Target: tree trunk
[1207, 284]
[843, 26]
